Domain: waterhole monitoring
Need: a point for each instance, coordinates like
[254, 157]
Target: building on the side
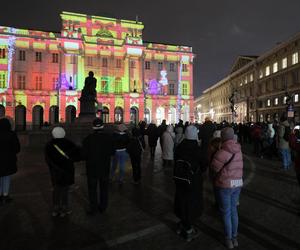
[42, 73]
[261, 87]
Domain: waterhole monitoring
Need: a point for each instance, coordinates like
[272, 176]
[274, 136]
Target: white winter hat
[58, 132]
[191, 133]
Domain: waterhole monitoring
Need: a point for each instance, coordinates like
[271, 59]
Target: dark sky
[218, 30]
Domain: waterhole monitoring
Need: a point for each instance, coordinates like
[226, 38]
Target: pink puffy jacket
[231, 175]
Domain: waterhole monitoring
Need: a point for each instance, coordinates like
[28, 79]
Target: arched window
[53, 115]
[147, 115]
[37, 117]
[134, 115]
[70, 114]
[105, 115]
[20, 117]
[118, 114]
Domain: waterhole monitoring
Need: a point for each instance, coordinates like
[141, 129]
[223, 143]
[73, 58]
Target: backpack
[183, 172]
[287, 132]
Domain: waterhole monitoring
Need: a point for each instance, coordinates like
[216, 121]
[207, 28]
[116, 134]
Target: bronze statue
[89, 89]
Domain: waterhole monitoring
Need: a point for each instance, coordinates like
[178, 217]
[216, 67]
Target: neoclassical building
[260, 86]
[42, 73]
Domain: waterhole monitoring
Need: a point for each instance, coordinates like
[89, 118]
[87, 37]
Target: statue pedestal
[87, 110]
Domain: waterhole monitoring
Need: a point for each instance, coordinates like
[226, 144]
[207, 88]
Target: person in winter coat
[121, 140]
[227, 164]
[179, 136]
[97, 150]
[152, 132]
[134, 149]
[60, 154]
[168, 146]
[9, 148]
[270, 133]
[188, 202]
[257, 137]
[283, 143]
[161, 129]
[205, 134]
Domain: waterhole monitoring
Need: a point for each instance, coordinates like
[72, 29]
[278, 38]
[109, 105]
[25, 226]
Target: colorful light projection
[115, 51]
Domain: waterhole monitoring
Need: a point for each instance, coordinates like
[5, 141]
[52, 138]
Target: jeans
[228, 198]
[286, 158]
[119, 158]
[4, 185]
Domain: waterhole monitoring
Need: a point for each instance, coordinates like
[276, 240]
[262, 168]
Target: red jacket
[231, 175]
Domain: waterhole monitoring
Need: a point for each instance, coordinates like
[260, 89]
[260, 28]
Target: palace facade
[262, 87]
[42, 73]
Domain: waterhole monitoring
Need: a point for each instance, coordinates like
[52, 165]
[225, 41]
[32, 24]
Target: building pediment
[241, 61]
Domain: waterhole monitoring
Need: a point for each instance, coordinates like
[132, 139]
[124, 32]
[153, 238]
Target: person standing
[179, 136]
[9, 148]
[60, 154]
[188, 202]
[120, 140]
[135, 148]
[168, 146]
[284, 132]
[97, 150]
[227, 164]
[152, 133]
[205, 134]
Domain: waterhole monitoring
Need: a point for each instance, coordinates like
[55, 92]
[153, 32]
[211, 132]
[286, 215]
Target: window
[104, 85]
[296, 98]
[73, 59]
[38, 82]
[276, 101]
[172, 67]
[118, 85]
[245, 80]
[147, 65]
[251, 77]
[132, 64]
[295, 76]
[89, 61]
[261, 74]
[284, 99]
[55, 82]
[22, 56]
[160, 65]
[104, 62]
[2, 81]
[2, 53]
[118, 63]
[268, 103]
[54, 57]
[284, 63]
[284, 80]
[295, 58]
[267, 70]
[21, 81]
[38, 56]
[171, 89]
[184, 68]
[184, 89]
[275, 67]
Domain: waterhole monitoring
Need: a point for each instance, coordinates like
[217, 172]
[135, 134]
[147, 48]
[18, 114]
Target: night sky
[218, 30]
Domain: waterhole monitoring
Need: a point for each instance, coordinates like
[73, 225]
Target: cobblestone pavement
[140, 217]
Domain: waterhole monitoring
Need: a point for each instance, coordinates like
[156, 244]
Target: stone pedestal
[87, 110]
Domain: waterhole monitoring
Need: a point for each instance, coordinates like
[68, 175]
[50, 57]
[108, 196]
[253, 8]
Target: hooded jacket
[229, 176]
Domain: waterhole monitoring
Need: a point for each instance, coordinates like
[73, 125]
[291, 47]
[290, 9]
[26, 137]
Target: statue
[89, 89]
[88, 97]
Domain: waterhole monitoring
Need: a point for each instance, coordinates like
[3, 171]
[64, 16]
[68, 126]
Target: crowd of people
[190, 149]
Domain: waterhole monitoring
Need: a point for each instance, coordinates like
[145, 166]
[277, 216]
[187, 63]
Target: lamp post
[232, 104]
